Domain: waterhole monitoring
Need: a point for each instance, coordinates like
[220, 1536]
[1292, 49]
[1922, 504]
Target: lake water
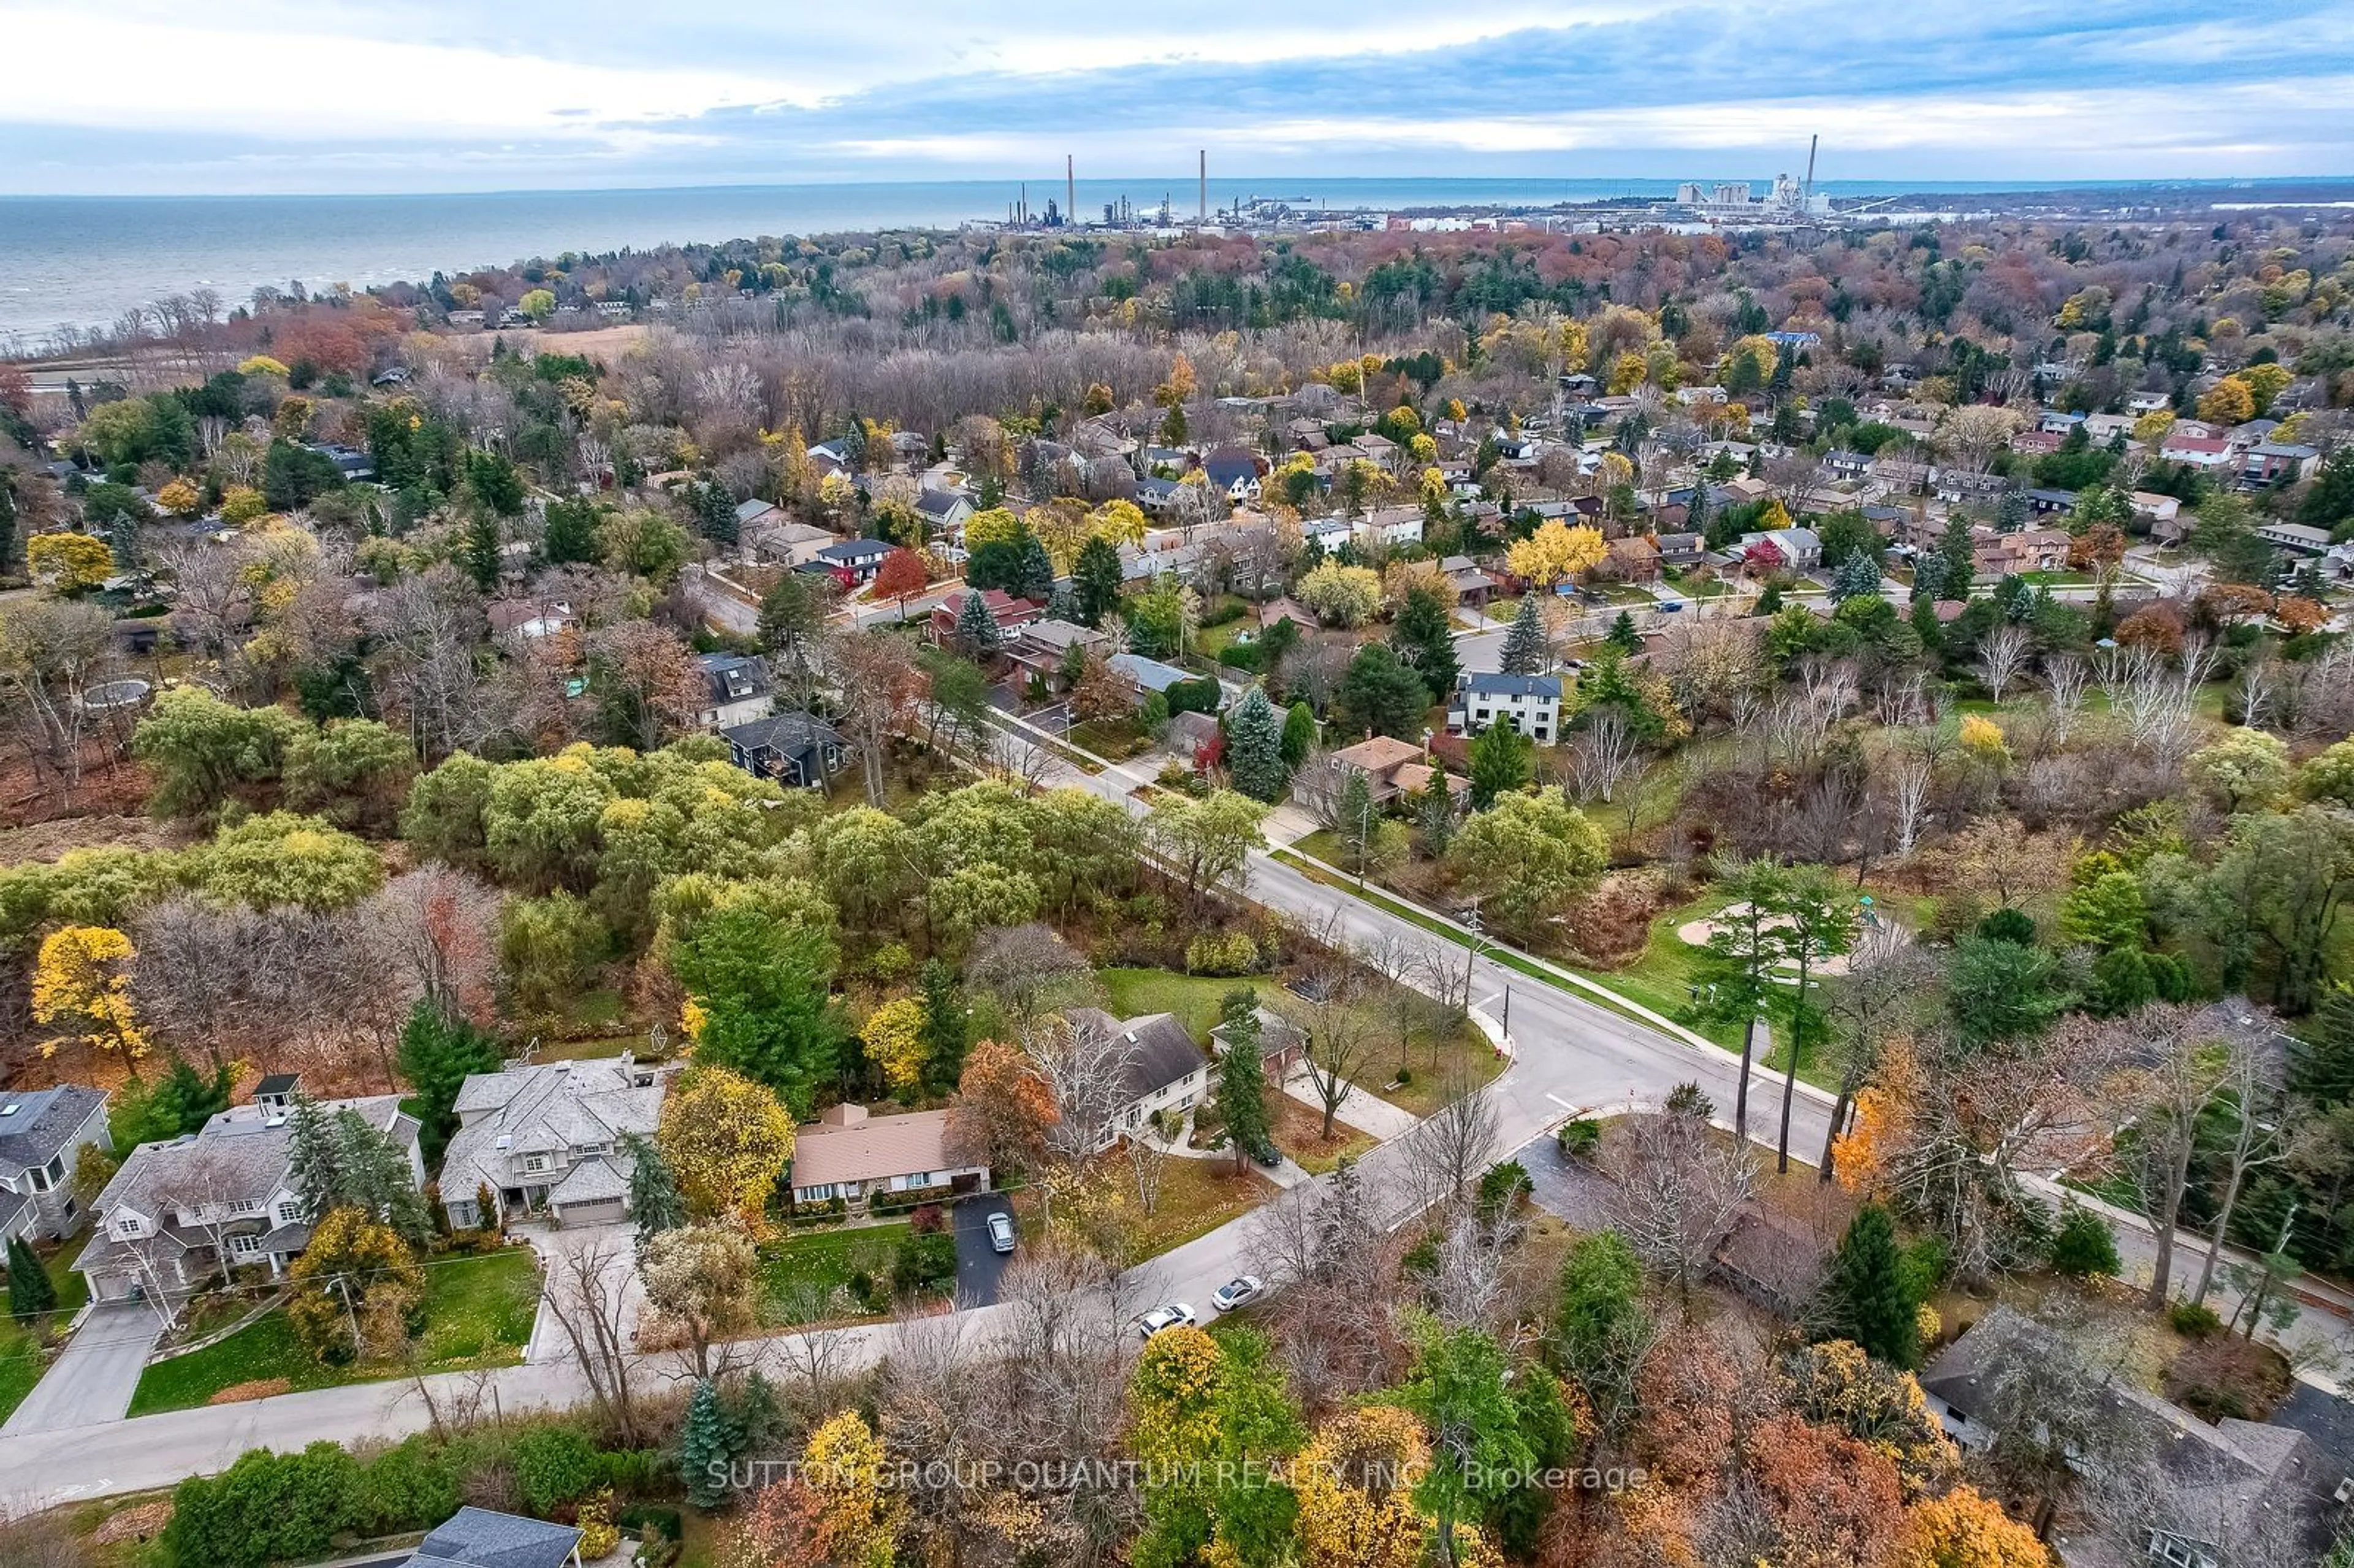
[85, 260]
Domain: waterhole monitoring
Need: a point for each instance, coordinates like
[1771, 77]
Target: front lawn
[478, 1313]
[21, 1358]
[810, 1277]
[1117, 740]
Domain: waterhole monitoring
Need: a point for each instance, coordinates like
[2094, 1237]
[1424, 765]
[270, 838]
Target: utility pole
[344, 1288]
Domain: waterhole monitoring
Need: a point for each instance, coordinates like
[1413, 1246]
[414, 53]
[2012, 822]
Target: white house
[550, 1138]
[737, 689]
[1530, 704]
[1162, 1070]
[42, 1135]
[176, 1210]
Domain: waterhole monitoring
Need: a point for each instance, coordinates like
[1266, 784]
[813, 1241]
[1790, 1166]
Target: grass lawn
[1117, 740]
[1300, 1133]
[21, 1359]
[1213, 640]
[805, 1278]
[478, 1313]
[1197, 1196]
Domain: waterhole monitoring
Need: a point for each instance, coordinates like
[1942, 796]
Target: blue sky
[433, 95]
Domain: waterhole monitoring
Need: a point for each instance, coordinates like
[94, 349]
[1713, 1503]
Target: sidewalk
[1362, 1111]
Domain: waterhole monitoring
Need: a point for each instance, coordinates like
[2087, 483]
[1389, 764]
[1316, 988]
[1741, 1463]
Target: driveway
[94, 1376]
[1569, 1189]
[556, 1247]
[979, 1265]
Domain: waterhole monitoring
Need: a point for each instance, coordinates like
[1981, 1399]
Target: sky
[308, 96]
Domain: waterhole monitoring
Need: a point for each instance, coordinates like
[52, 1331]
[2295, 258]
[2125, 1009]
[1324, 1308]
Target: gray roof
[1150, 673]
[732, 678]
[1491, 683]
[937, 502]
[479, 1538]
[786, 734]
[854, 550]
[35, 1124]
[1164, 1054]
[749, 511]
[1276, 1033]
[545, 1107]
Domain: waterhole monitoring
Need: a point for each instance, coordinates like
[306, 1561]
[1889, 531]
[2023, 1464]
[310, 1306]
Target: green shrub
[1580, 1137]
[554, 1464]
[1501, 1187]
[1200, 696]
[923, 1261]
[2194, 1322]
[1222, 954]
[266, 1508]
[2083, 1246]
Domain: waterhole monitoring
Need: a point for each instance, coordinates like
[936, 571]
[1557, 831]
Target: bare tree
[1448, 1150]
[1340, 1047]
[1910, 776]
[2002, 655]
[882, 688]
[1029, 969]
[1678, 1190]
[2064, 679]
[589, 1298]
[51, 655]
[1084, 1059]
[2265, 1125]
[1604, 754]
[2170, 1081]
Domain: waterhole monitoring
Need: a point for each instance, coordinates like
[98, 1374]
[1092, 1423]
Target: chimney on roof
[845, 1115]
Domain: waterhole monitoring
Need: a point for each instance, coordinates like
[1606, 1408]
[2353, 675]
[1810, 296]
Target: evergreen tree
[1242, 1077]
[1354, 819]
[1858, 577]
[976, 628]
[571, 533]
[790, 612]
[1298, 733]
[655, 1202]
[2010, 511]
[715, 511]
[1867, 1297]
[183, 1099]
[1623, 635]
[1434, 813]
[30, 1293]
[703, 1448]
[340, 1161]
[2083, 1246]
[1255, 747]
[1095, 577]
[2321, 1058]
[947, 1032]
[1525, 652]
[436, 1055]
[1953, 566]
[1034, 572]
[1425, 638]
[480, 553]
[1769, 603]
[1503, 761]
[1380, 696]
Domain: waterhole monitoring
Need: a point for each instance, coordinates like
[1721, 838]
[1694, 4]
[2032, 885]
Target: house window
[288, 1212]
[535, 1162]
[817, 1194]
[246, 1206]
[128, 1225]
[245, 1244]
[915, 1179]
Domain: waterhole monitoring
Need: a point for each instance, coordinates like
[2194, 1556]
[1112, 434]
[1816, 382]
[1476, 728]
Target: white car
[1235, 1292]
[1176, 1315]
[1001, 1231]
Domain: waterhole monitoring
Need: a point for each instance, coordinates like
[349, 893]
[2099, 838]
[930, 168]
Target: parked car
[1235, 1292]
[1669, 606]
[1001, 1231]
[1176, 1315]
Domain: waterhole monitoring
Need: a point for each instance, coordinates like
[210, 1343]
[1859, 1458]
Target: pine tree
[1769, 603]
[655, 1199]
[1857, 577]
[1623, 635]
[2321, 1058]
[1355, 813]
[571, 533]
[1425, 638]
[1242, 1077]
[1955, 566]
[1255, 747]
[1867, 1295]
[311, 1158]
[715, 513]
[1524, 645]
[703, 1448]
[1095, 577]
[373, 1175]
[976, 628]
[1503, 761]
[1299, 734]
[479, 554]
[946, 1028]
[30, 1292]
[1033, 576]
[436, 1055]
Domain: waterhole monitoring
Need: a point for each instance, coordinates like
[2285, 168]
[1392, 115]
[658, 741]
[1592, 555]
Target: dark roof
[731, 677]
[2325, 1417]
[36, 1124]
[1491, 683]
[276, 1083]
[936, 503]
[1228, 464]
[482, 1539]
[853, 550]
[1164, 1052]
[788, 733]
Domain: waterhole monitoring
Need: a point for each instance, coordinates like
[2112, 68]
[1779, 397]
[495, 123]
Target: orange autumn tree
[1882, 1110]
[1003, 1108]
[1963, 1530]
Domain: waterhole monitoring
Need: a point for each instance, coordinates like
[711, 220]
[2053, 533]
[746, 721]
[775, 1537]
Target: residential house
[42, 1135]
[2052, 503]
[854, 561]
[1010, 613]
[1680, 550]
[2057, 421]
[943, 512]
[753, 514]
[1903, 475]
[518, 621]
[2195, 451]
[1956, 488]
[2036, 443]
[1391, 526]
[736, 691]
[1393, 770]
[1195, 739]
[1472, 586]
[797, 749]
[1794, 549]
[1742, 490]
[1530, 704]
[2276, 462]
[1155, 495]
[551, 1138]
[778, 538]
[854, 1155]
[1148, 675]
[1232, 470]
[1043, 647]
[177, 1211]
[481, 1538]
[2295, 536]
[1995, 556]
[1634, 558]
[1282, 1045]
[1840, 464]
[2148, 402]
[2217, 1488]
[2103, 428]
[1163, 1072]
[2163, 513]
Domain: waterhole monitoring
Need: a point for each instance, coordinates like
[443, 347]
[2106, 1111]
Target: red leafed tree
[902, 576]
[1767, 557]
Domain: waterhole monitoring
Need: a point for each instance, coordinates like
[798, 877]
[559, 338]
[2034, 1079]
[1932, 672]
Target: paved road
[94, 1376]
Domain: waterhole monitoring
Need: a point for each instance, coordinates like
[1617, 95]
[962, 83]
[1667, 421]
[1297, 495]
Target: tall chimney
[1070, 191]
[1205, 188]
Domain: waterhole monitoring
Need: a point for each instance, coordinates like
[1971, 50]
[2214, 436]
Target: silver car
[1236, 1292]
[1001, 1231]
[1176, 1315]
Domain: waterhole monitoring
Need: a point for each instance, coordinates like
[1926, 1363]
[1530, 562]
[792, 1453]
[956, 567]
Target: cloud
[433, 94]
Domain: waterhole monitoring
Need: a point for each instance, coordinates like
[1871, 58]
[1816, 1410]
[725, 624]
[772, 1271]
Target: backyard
[478, 1313]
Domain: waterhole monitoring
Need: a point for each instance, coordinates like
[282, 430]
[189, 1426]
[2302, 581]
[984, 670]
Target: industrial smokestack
[1070, 191]
[1205, 186]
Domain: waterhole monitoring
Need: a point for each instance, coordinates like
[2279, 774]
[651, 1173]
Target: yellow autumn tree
[242, 504]
[81, 986]
[1882, 1111]
[69, 563]
[1062, 525]
[1173, 1396]
[894, 1038]
[181, 499]
[1627, 372]
[1963, 1530]
[843, 1465]
[1983, 738]
[995, 526]
[1355, 1481]
[1572, 345]
[2152, 427]
[1555, 551]
[2229, 401]
[1118, 522]
[262, 365]
[725, 1139]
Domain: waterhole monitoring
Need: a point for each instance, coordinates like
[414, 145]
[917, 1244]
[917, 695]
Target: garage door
[604, 1211]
